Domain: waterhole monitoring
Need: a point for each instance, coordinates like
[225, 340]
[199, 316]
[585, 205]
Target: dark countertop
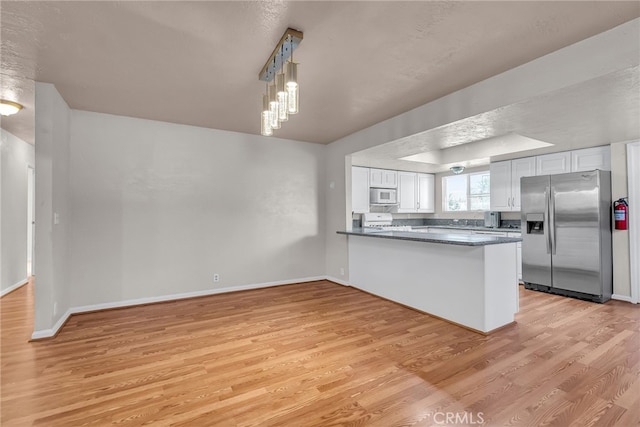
[449, 239]
[473, 228]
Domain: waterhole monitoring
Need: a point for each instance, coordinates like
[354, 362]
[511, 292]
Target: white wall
[591, 58]
[158, 208]
[52, 196]
[15, 156]
[620, 238]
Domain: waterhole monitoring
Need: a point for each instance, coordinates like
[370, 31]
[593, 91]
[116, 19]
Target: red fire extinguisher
[621, 213]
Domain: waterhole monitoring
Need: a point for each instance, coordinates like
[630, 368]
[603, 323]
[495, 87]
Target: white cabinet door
[591, 158]
[426, 193]
[500, 182]
[407, 192]
[376, 177]
[520, 168]
[390, 179]
[382, 178]
[550, 164]
[519, 260]
[518, 255]
[359, 189]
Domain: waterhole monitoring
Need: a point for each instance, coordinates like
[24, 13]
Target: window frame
[445, 197]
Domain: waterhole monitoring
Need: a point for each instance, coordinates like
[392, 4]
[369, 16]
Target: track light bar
[283, 50]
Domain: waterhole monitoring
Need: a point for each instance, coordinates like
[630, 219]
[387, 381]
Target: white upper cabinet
[551, 164]
[505, 182]
[359, 189]
[505, 176]
[426, 193]
[591, 158]
[407, 191]
[382, 178]
[416, 192]
[520, 168]
[500, 185]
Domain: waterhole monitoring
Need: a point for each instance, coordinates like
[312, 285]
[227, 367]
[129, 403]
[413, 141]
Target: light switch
[56, 218]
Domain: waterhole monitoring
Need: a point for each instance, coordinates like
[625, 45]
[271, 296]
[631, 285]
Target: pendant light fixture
[292, 85]
[281, 75]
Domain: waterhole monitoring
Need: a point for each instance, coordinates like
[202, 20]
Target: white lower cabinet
[519, 260]
[518, 254]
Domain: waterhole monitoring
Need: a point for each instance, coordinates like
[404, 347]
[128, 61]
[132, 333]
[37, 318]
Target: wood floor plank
[320, 354]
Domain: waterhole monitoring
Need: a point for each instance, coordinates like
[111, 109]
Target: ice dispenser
[535, 223]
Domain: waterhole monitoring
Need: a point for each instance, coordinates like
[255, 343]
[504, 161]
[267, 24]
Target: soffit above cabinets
[596, 112]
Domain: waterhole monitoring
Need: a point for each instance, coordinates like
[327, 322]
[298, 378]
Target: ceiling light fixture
[7, 108]
[457, 169]
[281, 75]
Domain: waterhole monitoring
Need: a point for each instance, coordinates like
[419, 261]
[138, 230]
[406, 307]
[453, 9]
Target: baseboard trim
[336, 280]
[51, 333]
[14, 287]
[622, 298]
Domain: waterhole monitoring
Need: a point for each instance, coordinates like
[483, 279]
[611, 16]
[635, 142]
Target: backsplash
[418, 222]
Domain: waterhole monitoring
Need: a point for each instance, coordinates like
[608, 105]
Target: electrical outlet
[342, 271]
[216, 277]
[55, 308]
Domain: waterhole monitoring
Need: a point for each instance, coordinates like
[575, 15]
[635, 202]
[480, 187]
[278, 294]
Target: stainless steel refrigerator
[566, 234]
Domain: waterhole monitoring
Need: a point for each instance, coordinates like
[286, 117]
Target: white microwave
[382, 196]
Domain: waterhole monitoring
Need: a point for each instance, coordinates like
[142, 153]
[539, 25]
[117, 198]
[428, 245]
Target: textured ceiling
[197, 63]
[596, 112]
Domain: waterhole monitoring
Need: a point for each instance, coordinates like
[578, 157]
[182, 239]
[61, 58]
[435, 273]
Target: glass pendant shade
[292, 87]
[273, 107]
[283, 113]
[265, 119]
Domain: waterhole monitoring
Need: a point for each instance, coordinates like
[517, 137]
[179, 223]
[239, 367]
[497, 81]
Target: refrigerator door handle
[546, 218]
[552, 222]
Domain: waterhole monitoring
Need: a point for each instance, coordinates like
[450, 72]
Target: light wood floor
[321, 354]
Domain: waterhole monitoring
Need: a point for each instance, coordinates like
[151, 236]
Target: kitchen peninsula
[466, 279]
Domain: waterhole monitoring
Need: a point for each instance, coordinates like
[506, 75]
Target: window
[468, 192]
